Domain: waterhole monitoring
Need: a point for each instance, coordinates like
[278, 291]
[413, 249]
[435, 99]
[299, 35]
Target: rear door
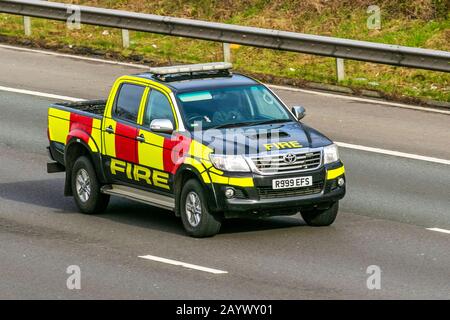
[120, 132]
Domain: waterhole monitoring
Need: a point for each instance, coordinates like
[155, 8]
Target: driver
[228, 106]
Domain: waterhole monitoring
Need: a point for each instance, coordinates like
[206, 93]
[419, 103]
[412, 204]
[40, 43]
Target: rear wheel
[86, 188]
[321, 218]
[197, 220]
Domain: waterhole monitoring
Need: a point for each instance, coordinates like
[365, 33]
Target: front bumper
[262, 200]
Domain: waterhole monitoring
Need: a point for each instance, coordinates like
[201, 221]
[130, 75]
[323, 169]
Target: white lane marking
[40, 94]
[341, 144]
[140, 66]
[393, 153]
[183, 264]
[72, 56]
[439, 230]
[341, 96]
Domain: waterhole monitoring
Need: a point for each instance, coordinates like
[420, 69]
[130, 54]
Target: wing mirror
[161, 125]
[299, 112]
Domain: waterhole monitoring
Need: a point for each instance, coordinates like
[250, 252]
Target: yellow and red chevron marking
[199, 159]
[64, 125]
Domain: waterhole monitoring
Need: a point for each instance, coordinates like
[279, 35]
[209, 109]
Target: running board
[151, 198]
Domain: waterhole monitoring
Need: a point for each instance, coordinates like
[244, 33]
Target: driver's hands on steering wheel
[197, 117]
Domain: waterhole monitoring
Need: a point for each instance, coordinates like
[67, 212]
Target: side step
[150, 198]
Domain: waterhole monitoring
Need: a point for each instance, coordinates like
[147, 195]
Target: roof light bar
[189, 68]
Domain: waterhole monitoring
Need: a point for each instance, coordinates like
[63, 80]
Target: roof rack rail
[192, 71]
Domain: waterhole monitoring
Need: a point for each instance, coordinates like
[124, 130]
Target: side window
[128, 101]
[158, 107]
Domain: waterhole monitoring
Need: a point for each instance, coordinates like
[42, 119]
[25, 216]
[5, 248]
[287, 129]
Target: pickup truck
[201, 141]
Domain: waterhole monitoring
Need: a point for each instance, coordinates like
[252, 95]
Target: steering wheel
[222, 116]
[195, 117]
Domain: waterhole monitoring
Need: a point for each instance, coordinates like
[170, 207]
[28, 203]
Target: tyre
[321, 218]
[197, 220]
[86, 188]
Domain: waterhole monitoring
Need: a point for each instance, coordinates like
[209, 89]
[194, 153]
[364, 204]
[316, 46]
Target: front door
[155, 149]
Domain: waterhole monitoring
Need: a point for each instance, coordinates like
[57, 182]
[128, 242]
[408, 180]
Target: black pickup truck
[201, 141]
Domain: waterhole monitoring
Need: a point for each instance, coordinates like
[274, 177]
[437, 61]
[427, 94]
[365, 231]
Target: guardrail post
[340, 69]
[27, 25]
[226, 52]
[125, 38]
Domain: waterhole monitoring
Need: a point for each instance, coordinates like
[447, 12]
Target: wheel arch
[74, 149]
[184, 173]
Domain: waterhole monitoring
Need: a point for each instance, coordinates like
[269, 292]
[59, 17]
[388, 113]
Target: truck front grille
[279, 163]
[269, 193]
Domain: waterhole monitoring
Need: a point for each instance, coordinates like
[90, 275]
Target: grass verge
[409, 85]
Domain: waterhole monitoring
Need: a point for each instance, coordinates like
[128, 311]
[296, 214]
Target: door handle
[109, 129]
[140, 138]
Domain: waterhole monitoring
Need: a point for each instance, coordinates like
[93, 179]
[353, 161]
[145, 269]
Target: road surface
[383, 221]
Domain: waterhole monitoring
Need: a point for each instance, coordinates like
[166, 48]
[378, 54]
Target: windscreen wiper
[271, 121]
[250, 123]
[233, 125]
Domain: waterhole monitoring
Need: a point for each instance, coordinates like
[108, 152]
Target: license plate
[297, 182]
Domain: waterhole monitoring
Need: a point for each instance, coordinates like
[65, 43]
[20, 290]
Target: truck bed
[96, 107]
[84, 117]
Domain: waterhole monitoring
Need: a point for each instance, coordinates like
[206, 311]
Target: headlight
[330, 154]
[229, 163]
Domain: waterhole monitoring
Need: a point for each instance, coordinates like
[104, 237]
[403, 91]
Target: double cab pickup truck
[201, 141]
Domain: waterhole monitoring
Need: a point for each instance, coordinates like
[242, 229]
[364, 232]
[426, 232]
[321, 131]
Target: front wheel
[321, 218]
[86, 188]
[197, 220]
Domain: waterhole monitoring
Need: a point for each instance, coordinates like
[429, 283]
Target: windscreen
[245, 105]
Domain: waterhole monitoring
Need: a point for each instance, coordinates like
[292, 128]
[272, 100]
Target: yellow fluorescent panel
[150, 152]
[205, 177]
[58, 129]
[152, 138]
[150, 156]
[95, 139]
[334, 173]
[97, 124]
[52, 112]
[199, 150]
[241, 182]
[197, 165]
[110, 140]
[218, 179]
[214, 170]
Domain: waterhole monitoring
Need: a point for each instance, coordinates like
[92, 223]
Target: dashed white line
[341, 144]
[140, 66]
[439, 230]
[183, 264]
[40, 94]
[393, 153]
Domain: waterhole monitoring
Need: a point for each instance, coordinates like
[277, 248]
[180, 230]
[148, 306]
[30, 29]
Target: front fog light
[229, 193]
[341, 182]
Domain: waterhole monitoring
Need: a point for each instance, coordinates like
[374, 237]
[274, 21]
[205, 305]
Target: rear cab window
[128, 101]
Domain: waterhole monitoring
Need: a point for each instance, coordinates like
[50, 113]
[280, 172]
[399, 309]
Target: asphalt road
[383, 220]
